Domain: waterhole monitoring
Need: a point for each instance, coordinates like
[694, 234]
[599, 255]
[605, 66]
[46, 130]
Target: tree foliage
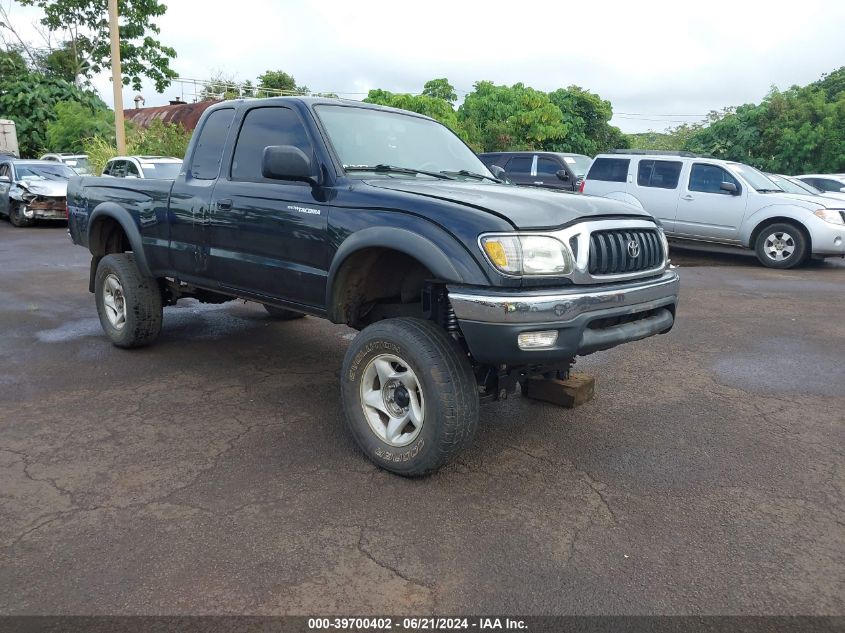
[87, 51]
[76, 122]
[433, 107]
[440, 89]
[30, 98]
[158, 139]
[798, 130]
[274, 83]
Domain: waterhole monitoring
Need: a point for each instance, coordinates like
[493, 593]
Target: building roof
[186, 114]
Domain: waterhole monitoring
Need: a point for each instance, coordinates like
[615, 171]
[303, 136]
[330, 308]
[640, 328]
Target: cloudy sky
[659, 63]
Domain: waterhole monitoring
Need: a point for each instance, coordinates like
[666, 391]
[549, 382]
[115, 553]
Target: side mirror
[5, 179]
[563, 175]
[729, 187]
[286, 162]
[842, 190]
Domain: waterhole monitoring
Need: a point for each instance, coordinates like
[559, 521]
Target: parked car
[160, 167]
[33, 190]
[383, 220]
[721, 202]
[554, 170]
[8, 138]
[825, 182]
[77, 162]
[790, 184]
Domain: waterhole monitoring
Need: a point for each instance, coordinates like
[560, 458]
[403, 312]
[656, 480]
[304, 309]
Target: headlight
[829, 215]
[527, 254]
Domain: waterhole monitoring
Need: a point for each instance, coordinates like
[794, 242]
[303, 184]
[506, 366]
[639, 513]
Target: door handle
[687, 197]
[224, 205]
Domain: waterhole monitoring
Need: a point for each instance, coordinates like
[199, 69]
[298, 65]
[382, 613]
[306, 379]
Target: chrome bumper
[539, 306]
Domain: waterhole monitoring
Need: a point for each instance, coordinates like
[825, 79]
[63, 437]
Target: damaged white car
[33, 190]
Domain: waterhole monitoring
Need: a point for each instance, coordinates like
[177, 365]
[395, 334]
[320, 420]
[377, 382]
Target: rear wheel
[17, 217]
[128, 303]
[781, 245]
[280, 314]
[409, 395]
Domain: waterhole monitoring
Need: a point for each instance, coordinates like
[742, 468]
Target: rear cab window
[208, 154]
[609, 169]
[663, 174]
[519, 165]
[548, 167]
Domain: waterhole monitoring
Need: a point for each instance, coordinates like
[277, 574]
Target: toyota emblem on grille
[634, 248]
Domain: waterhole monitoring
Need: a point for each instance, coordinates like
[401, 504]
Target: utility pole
[117, 81]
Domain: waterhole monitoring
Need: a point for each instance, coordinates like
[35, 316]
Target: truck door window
[261, 128]
[118, 169]
[709, 179]
[205, 162]
[663, 174]
[5, 171]
[547, 167]
[519, 165]
[132, 170]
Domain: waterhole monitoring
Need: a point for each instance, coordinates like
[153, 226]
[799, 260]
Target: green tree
[86, 23]
[30, 98]
[500, 118]
[76, 122]
[274, 83]
[440, 89]
[587, 118]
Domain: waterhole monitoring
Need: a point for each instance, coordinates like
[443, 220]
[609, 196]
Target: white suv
[722, 202]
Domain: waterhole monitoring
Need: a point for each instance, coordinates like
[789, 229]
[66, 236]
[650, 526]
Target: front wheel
[409, 395]
[128, 303]
[17, 217]
[781, 245]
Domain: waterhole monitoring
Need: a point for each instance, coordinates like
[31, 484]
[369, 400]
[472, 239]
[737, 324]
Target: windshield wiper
[392, 169]
[770, 191]
[470, 174]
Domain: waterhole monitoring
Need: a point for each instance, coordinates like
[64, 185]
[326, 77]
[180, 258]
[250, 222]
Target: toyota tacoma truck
[461, 286]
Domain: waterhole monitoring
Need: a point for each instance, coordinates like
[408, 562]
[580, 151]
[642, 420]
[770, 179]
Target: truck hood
[524, 207]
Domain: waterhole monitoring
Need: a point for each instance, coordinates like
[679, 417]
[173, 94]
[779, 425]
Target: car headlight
[527, 255]
[829, 215]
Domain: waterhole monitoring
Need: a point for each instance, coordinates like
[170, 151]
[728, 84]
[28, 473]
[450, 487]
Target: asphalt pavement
[211, 473]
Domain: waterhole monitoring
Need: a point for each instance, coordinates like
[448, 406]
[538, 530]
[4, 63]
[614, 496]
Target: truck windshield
[363, 138]
[578, 164]
[44, 172]
[755, 178]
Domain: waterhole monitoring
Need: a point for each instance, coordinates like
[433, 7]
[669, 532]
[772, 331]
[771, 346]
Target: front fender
[787, 211]
[457, 267]
[130, 228]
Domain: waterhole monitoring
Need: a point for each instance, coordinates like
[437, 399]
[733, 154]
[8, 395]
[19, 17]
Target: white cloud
[648, 58]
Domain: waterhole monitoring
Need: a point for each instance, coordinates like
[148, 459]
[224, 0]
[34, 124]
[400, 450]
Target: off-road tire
[281, 314]
[447, 385]
[797, 244]
[141, 297]
[17, 218]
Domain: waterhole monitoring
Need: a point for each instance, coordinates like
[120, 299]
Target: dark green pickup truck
[384, 220]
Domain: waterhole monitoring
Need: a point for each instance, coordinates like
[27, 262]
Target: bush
[159, 139]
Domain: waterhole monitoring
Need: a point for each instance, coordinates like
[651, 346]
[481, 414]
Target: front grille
[610, 253]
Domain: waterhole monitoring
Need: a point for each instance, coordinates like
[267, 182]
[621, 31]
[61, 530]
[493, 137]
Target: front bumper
[45, 208]
[586, 318]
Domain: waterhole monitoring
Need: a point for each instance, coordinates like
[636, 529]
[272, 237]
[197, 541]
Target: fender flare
[403, 240]
[124, 218]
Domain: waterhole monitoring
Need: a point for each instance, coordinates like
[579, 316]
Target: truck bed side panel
[144, 201]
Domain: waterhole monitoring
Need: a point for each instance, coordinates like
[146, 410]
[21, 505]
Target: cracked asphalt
[211, 473]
